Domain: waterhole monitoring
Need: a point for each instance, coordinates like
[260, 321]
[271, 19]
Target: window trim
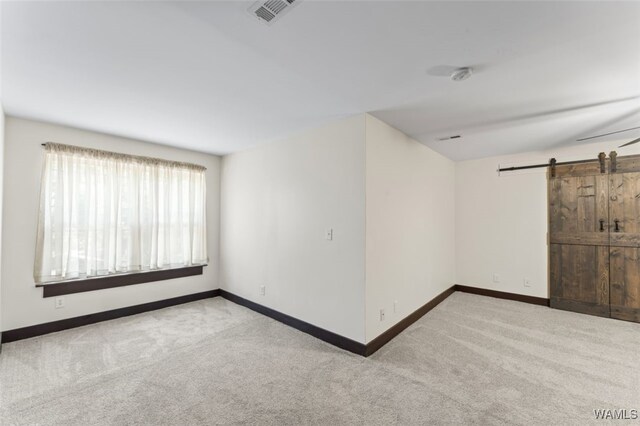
[62, 288]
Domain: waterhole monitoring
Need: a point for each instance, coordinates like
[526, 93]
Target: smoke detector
[460, 74]
[270, 11]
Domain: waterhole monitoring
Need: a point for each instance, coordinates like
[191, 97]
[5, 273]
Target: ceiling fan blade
[447, 70]
[441, 70]
[607, 134]
[630, 143]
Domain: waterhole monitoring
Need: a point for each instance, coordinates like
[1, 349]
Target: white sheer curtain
[103, 213]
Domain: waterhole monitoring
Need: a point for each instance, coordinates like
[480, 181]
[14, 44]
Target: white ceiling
[206, 76]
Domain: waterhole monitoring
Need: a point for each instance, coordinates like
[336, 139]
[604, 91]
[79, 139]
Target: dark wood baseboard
[315, 331]
[51, 327]
[333, 338]
[388, 335]
[92, 284]
[503, 295]
[396, 329]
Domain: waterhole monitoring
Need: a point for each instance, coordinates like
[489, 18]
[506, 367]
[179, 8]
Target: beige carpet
[472, 360]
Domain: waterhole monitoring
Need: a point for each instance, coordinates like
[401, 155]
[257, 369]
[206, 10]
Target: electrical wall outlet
[263, 290]
[381, 314]
[496, 278]
[526, 282]
[395, 306]
[58, 302]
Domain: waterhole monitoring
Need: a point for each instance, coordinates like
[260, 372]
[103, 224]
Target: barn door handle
[601, 225]
[617, 222]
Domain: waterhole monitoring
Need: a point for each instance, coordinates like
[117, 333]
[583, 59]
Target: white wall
[277, 202]
[2, 119]
[410, 225]
[22, 302]
[501, 221]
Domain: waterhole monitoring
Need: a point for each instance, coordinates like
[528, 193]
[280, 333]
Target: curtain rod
[129, 156]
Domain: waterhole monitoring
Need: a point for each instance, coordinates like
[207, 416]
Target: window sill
[101, 283]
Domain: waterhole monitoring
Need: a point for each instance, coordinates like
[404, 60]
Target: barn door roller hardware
[553, 163]
[612, 160]
[601, 158]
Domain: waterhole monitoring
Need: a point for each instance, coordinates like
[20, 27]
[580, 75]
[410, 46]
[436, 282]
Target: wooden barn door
[579, 238]
[624, 213]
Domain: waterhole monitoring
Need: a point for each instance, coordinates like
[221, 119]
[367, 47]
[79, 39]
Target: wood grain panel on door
[580, 278]
[578, 209]
[624, 288]
[579, 239]
[624, 213]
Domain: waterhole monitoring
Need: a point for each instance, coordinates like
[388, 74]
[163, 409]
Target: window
[103, 213]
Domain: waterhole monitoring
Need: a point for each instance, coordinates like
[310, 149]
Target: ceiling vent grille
[270, 11]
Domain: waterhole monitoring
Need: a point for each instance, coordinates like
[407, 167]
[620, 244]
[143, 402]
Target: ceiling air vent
[271, 10]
